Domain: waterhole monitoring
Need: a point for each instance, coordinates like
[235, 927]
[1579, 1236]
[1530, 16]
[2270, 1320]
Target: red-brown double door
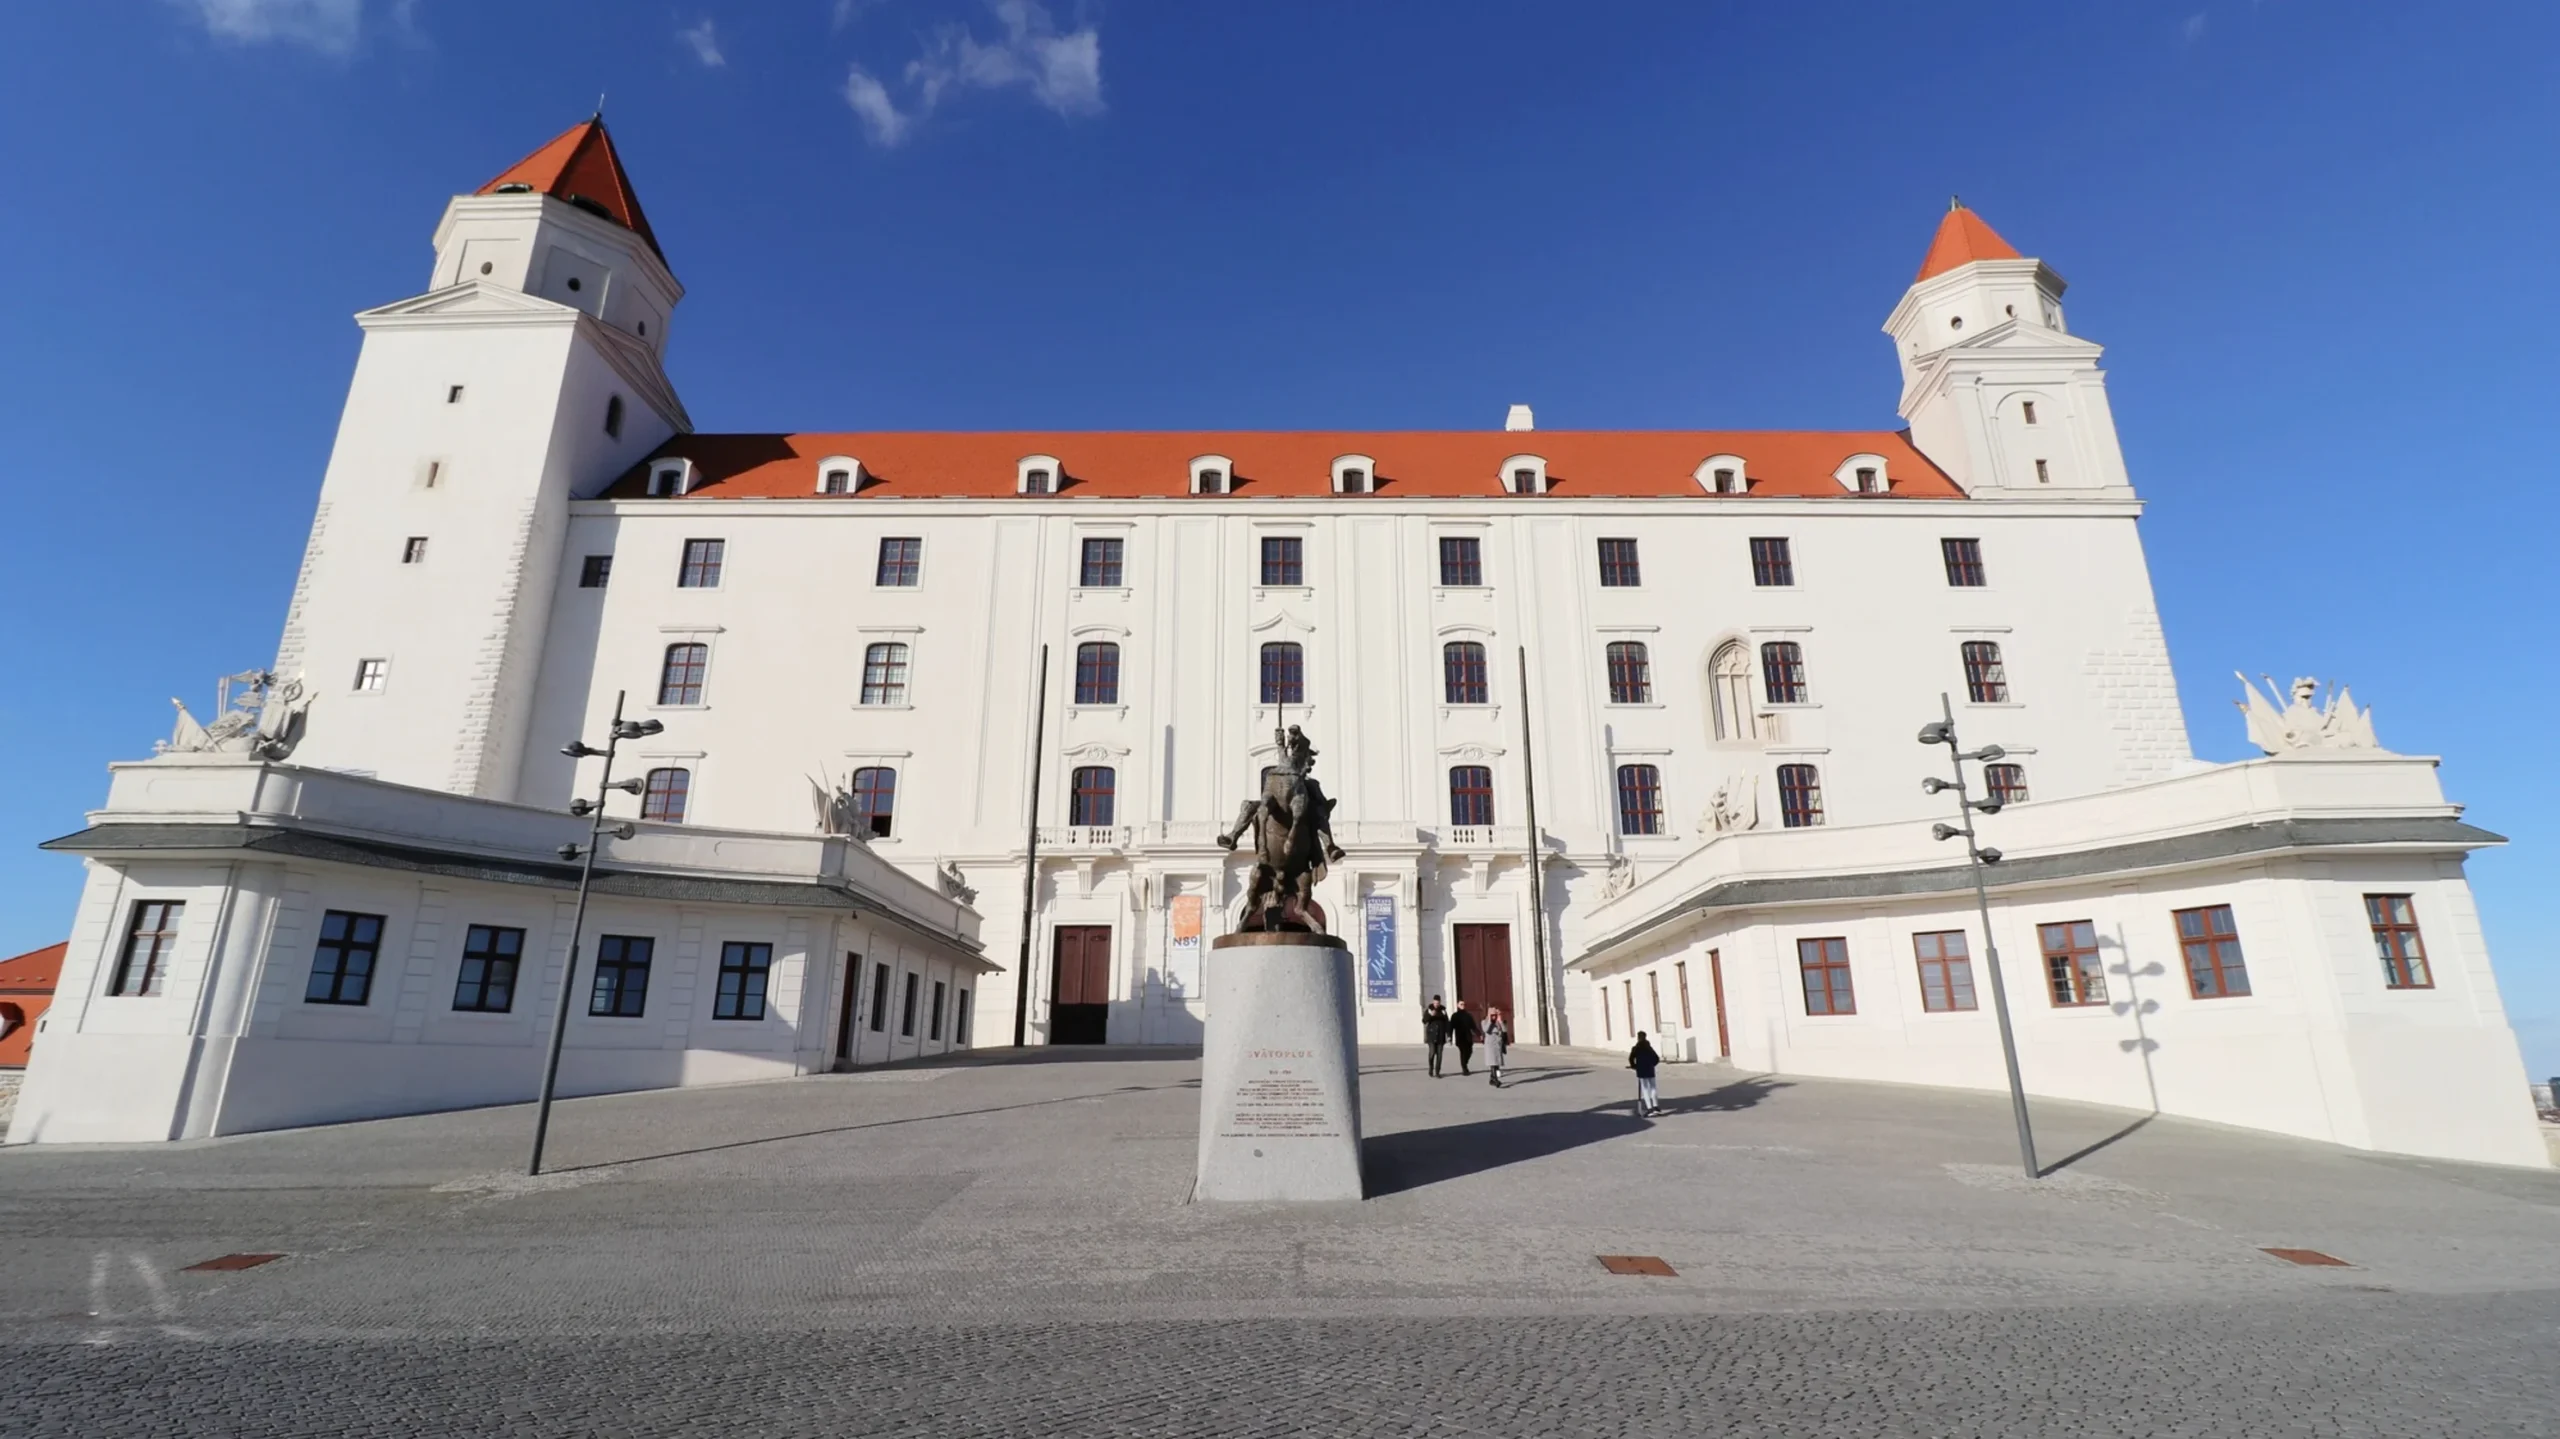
[1484, 971]
[1080, 984]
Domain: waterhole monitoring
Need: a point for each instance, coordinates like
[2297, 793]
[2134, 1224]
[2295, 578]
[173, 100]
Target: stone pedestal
[1279, 1071]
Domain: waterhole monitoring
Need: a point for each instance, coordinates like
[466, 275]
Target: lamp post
[1943, 731]
[584, 808]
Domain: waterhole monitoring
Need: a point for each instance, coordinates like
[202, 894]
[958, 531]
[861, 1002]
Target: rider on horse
[1293, 821]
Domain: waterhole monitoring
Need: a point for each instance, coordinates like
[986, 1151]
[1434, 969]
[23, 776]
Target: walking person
[1463, 1032]
[1644, 1061]
[1435, 1031]
[1497, 1042]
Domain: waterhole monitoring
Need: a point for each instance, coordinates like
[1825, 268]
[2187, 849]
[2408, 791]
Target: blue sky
[2315, 238]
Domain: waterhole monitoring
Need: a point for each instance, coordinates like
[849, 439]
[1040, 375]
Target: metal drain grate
[234, 1261]
[1646, 1264]
[2309, 1256]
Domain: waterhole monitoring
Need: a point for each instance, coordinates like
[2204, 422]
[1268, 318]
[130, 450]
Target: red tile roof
[1963, 238]
[579, 164]
[36, 970]
[26, 992]
[1284, 464]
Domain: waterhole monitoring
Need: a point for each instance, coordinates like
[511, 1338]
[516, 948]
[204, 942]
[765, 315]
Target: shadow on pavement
[1038, 1054]
[1394, 1163]
[2066, 1161]
[866, 1124]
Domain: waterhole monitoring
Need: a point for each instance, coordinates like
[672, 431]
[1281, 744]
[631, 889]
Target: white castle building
[1620, 726]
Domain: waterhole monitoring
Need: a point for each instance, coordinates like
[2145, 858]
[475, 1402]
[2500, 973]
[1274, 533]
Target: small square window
[453, 395]
[1870, 482]
[2073, 968]
[702, 562]
[2044, 476]
[622, 976]
[413, 550]
[342, 962]
[744, 971]
[2210, 941]
[1618, 568]
[594, 570]
[1773, 564]
[901, 561]
[1036, 482]
[1964, 563]
[1461, 562]
[486, 983]
[1099, 568]
[370, 674]
[1283, 561]
[839, 482]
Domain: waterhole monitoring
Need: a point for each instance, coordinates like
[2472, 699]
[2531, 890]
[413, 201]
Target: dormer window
[1870, 481]
[1212, 475]
[1525, 475]
[839, 475]
[1864, 475]
[1354, 475]
[1036, 475]
[669, 478]
[1722, 475]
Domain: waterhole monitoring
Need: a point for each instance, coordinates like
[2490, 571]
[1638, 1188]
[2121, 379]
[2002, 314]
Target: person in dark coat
[1435, 1031]
[1644, 1060]
[1463, 1032]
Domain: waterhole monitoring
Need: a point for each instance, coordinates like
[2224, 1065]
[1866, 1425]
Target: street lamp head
[578, 749]
[629, 786]
[1987, 806]
[1989, 753]
[625, 830]
[1943, 831]
[1988, 856]
[637, 729]
[569, 851]
[582, 807]
[1932, 785]
[1936, 732]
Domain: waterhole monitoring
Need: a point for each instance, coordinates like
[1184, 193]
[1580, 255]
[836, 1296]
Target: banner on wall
[1186, 924]
[1378, 926]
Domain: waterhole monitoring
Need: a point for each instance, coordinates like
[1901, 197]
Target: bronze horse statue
[1291, 822]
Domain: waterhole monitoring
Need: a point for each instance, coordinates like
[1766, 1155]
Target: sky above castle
[2313, 236]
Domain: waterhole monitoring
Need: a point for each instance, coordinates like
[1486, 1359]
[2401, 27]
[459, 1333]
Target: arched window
[1799, 795]
[1986, 680]
[1729, 686]
[663, 797]
[875, 799]
[680, 679]
[1097, 673]
[2007, 782]
[1091, 797]
[1630, 674]
[1462, 673]
[1782, 672]
[1639, 799]
[1471, 794]
[1284, 673]
[884, 674]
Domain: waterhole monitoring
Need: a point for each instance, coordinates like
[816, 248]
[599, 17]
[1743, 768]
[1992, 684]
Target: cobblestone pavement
[1003, 1247]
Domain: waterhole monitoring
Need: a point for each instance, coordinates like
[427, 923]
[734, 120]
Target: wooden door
[1080, 988]
[1484, 972]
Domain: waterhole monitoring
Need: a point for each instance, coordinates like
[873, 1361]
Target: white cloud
[1061, 71]
[2193, 30]
[325, 25]
[706, 45]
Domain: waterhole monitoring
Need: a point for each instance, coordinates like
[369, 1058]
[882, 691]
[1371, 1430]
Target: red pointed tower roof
[1962, 239]
[580, 166]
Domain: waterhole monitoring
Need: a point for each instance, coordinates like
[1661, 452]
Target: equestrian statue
[1291, 823]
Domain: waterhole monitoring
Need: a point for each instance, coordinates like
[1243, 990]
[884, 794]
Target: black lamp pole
[1943, 732]
[578, 749]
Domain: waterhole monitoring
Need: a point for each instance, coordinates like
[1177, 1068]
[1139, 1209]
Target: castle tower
[1996, 389]
[528, 374]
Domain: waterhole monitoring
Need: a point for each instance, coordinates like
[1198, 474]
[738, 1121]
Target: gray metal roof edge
[2259, 838]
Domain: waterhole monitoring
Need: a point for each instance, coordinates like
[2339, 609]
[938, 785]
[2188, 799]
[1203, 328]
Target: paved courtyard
[1002, 1247]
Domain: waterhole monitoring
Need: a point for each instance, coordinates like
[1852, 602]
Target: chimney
[1519, 419]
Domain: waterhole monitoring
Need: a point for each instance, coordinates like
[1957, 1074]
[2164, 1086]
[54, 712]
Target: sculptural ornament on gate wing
[2300, 725]
[260, 718]
[1291, 824]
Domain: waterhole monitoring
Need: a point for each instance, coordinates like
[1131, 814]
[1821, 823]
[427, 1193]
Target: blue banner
[1378, 922]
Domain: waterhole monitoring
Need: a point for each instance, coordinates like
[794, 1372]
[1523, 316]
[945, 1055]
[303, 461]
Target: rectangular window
[342, 964]
[680, 676]
[370, 675]
[1639, 799]
[2027, 411]
[701, 568]
[594, 570]
[933, 1019]
[1946, 971]
[1462, 675]
[884, 674]
[960, 1020]
[1773, 564]
[1471, 794]
[744, 969]
[1461, 562]
[837, 482]
[1799, 795]
[2071, 964]
[1283, 561]
[487, 981]
[1964, 563]
[1680, 974]
[1284, 673]
[1093, 795]
[1099, 567]
[665, 793]
[1986, 679]
[1782, 672]
[1653, 995]
[2210, 940]
[1097, 673]
[875, 799]
[2396, 942]
[413, 550]
[1825, 963]
[901, 560]
[2007, 782]
[2044, 475]
[1618, 564]
[150, 940]
[879, 999]
[453, 394]
[1630, 674]
[622, 976]
[907, 1014]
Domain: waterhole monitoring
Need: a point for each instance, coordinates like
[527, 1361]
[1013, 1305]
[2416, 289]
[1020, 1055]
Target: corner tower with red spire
[1995, 388]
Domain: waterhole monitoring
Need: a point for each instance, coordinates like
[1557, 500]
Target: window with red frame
[1964, 563]
[1092, 797]
[1471, 794]
[2072, 967]
[1630, 674]
[1639, 799]
[1098, 565]
[875, 799]
[663, 796]
[1284, 561]
[1773, 564]
[1462, 673]
[1799, 795]
[702, 562]
[680, 678]
[2396, 942]
[2209, 939]
[1782, 672]
[884, 673]
[1946, 971]
[1986, 680]
[1461, 562]
[1825, 964]
[1284, 673]
[2007, 782]
[1097, 673]
[901, 561]
[1618, 564]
